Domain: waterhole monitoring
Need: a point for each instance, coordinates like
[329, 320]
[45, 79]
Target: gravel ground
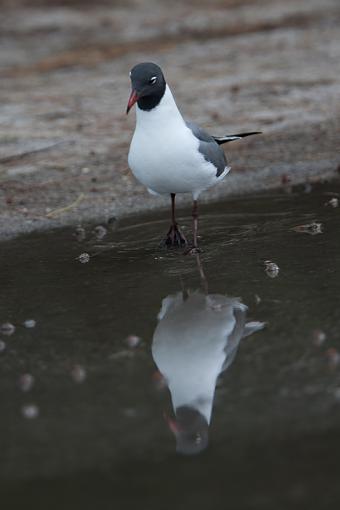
[233, 65]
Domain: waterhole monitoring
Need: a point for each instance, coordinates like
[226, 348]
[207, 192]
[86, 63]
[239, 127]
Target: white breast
[164, 153]
[189, 346]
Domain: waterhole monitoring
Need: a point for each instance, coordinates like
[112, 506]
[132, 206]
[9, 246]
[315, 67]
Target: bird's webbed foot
[174, 238]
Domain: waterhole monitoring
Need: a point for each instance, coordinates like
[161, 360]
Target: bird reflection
[196, 338]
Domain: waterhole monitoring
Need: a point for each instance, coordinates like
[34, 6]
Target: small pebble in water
[271, 269]
[333, 358]
[80, 233]
[257, 299]
[78, 374]
[7, 329]
[310, 228]
[2, 346]
[26, 382]
[333, 202]
[319, 337]
[30, 323]
[83, 258]
[30, 411]
[100, 232]
[133, 341]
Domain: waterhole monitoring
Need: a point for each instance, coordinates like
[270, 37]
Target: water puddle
[136, 376]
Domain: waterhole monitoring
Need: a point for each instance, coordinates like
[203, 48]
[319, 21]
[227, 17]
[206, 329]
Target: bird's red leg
[174, 236]
[173, 217]
[195, 249]
[195, 222]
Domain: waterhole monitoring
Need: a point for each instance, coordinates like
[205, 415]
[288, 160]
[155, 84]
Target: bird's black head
[191, 430]
[148, 86]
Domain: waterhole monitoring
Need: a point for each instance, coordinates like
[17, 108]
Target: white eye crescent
[130, 74]
[153, 80]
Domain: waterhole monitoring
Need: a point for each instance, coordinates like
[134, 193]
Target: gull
[169, 155]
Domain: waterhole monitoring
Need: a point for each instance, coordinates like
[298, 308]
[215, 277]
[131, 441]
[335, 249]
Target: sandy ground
[233, 65]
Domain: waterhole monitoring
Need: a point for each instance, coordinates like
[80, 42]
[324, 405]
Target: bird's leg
[204, 281]
[174, 236]
[195, 222]
[195, 249]
[173, 216]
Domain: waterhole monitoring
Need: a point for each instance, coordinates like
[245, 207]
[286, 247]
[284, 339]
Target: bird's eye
[153, 80]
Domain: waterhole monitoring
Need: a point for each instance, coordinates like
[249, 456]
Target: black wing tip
[230, 138]
[243, 135]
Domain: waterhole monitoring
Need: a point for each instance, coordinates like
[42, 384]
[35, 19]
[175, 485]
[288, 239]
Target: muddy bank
[64, 135]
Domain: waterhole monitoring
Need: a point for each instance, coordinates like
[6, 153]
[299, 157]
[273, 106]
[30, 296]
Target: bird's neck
[166, 112]
[193, 395]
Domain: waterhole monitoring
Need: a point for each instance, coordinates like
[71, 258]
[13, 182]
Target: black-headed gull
[167, 154]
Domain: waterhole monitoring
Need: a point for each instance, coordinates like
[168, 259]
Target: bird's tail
[230, 138]
[252, 327]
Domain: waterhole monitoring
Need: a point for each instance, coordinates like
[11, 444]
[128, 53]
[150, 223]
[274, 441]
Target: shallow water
[101, 437]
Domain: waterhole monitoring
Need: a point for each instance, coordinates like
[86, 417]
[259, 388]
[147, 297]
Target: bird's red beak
[172, 424]
[132, 100]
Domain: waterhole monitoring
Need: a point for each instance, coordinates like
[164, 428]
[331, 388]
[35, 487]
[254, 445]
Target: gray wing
[234, 338]
[240, 331]
[209, 148]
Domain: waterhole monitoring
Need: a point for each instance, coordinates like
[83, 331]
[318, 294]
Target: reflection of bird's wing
[235, 336]
[232, 336]
[240, 331]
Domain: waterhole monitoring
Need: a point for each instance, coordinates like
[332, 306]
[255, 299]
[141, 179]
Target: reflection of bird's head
[190, 429]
